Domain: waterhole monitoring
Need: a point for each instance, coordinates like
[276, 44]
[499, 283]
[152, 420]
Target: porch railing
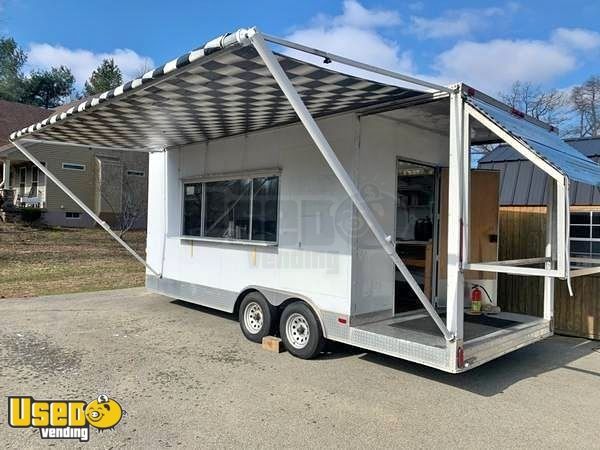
[33, 199]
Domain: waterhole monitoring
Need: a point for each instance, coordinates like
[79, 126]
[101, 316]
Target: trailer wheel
[301, 331]
[256, 317]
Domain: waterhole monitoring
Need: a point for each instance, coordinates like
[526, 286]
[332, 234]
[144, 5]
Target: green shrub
[30, 215]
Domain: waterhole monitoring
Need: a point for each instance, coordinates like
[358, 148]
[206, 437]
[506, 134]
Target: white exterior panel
[382, 142]
[313, 255]
[155, 230]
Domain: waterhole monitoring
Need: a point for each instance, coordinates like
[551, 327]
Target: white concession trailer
[320, 204]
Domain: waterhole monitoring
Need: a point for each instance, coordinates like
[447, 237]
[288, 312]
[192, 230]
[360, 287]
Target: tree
[548, 106]
[142, 70]
[585, 100]
[123, 195]
[107, 76]
[12, 59]
[48, 88]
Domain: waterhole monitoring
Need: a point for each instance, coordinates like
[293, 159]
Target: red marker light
[460, 357]
[342, 320]
[517, 113]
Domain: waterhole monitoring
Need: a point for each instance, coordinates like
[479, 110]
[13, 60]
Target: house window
[236, 209]
[585, 234]
[72, 215]
[135, 173]
[73, 166]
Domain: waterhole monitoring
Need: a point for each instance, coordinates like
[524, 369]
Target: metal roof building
[523, 184]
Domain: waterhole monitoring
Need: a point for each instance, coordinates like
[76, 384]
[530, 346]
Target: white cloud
[355, 35]
[83, 62]
[356, 15]
[576, 38]
[460, 22]
[496, 64]
[360, 33]
[362, 45]
[416, 6]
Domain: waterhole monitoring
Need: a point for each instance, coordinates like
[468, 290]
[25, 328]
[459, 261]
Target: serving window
[240, 209]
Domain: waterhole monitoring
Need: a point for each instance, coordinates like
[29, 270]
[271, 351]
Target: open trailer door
[539, 143]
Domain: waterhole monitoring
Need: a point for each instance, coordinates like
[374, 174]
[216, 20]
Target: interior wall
[315, 217]
[484, 210]
[382, 142]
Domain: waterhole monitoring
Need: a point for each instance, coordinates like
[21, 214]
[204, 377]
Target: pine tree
[48, 88]
[107, 76]
[12, 59]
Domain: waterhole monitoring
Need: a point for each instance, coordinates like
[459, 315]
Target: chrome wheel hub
[253, 317]
[297, 330]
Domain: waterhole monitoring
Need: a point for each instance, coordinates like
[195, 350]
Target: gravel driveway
[187, 377]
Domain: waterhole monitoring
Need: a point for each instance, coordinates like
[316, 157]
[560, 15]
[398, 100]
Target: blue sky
[487, 44]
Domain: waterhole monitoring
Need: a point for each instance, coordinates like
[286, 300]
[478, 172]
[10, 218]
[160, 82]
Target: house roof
[523, 184]
[588, 146]
[17, 115]
[221, 89]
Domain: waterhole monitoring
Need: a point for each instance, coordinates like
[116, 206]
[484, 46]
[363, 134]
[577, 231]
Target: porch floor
[419, 327]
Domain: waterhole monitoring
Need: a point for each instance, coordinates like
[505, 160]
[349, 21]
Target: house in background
[113, 183]
[523, 195]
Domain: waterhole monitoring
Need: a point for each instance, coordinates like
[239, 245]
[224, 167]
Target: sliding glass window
[265, 192]
[237, 209]
[192, 209]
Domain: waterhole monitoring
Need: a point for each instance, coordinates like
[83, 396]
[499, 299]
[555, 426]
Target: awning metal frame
[90, 146]
[356, 64]
[557, 259]
[558, 182]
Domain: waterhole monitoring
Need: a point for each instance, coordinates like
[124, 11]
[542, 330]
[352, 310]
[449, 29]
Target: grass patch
[41, 261]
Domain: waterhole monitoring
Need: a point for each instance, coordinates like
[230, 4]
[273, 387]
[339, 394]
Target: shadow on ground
[495, 376]
[204, 309]
[490, 379]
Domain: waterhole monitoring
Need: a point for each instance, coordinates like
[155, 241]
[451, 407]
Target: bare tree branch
[549, 106]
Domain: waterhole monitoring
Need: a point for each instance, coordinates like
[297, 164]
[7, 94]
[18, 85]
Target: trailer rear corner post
[455, 282]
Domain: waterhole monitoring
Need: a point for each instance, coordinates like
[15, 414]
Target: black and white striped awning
[207, 94]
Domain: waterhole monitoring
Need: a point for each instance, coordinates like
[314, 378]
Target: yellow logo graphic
[103, 413]
[64, 419]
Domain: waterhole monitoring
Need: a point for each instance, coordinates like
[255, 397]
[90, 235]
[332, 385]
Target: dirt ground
[41, 261]
[187, 378]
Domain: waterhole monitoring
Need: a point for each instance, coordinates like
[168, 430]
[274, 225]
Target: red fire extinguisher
[476, 300]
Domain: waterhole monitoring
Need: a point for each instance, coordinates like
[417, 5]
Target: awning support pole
[82, 205]
[356, 64]
[386, 241]
[550, 249]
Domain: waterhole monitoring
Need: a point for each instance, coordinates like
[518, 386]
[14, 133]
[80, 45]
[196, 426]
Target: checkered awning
[207, 94]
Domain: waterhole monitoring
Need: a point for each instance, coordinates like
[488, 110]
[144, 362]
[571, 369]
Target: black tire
[301, 345]
[256, 316]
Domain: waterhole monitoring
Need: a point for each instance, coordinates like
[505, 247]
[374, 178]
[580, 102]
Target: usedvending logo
[64, 419]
